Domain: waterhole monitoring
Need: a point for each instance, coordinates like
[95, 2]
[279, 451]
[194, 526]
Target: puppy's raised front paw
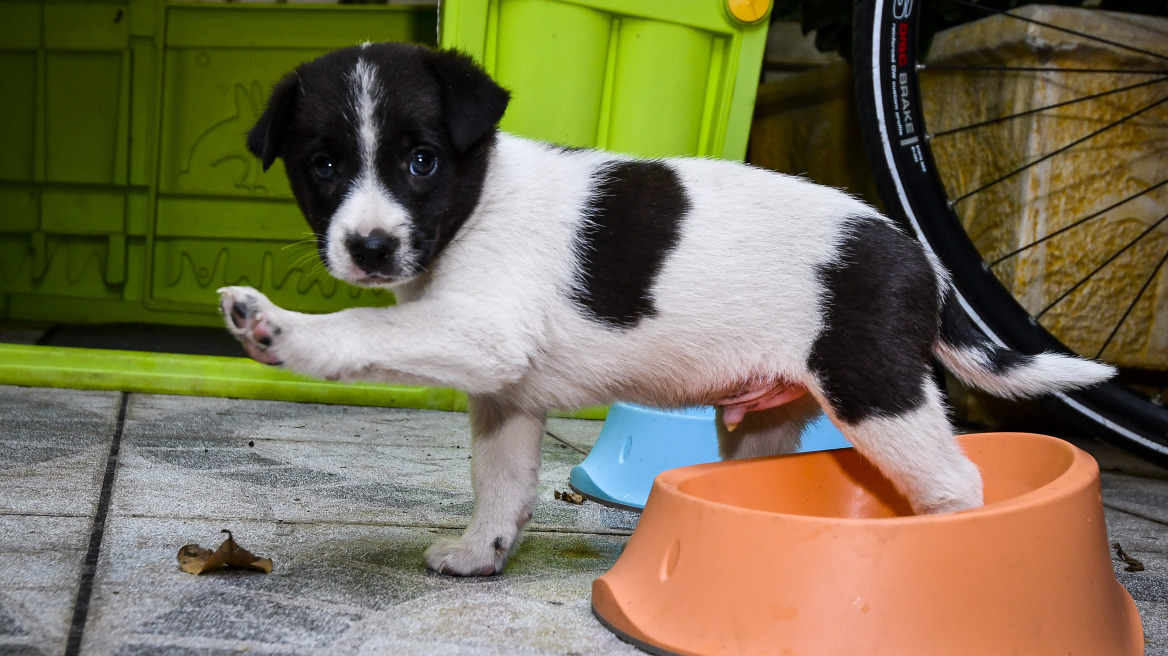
[461, 557]
[248, 315]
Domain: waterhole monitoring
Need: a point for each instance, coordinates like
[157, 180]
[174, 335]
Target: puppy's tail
[980, 363]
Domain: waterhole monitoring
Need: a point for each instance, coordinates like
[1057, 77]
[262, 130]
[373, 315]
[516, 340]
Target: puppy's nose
[373, 254]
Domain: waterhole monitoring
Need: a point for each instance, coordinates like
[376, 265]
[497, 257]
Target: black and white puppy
[536, 277]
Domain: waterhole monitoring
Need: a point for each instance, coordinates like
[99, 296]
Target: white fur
[504, 474]
[367, 95]
[1044, 372]
[737, 300]
[917, 453]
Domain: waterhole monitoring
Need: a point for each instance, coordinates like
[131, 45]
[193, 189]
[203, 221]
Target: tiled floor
[344, 500]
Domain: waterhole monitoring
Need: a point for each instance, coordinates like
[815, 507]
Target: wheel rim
[916, 190]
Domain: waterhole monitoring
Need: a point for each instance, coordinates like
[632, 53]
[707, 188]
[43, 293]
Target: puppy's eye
[322, 167]
[423, 161]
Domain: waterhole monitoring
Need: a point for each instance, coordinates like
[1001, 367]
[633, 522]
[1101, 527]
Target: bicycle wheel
[952, 186]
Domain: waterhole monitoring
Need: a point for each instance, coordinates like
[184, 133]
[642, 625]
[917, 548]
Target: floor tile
[53, 449]
[341, 589]
[54, 411]
[162, 420]
[581, 434]
[246, 464]
[345, 500]
[40, 566]
[1146, 497]
[1147, 541]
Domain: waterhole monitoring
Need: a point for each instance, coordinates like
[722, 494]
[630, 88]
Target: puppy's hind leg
[772, 432]
[872, 361]
[915, 449]
[504, 472]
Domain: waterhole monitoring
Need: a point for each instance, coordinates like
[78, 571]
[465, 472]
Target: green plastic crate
[645, 77]
[127, 193]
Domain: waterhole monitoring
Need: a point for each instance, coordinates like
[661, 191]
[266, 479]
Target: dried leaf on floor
[1133, 564]
[570, 497]
[194, 559]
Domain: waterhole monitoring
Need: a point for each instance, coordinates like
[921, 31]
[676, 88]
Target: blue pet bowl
[637, 443]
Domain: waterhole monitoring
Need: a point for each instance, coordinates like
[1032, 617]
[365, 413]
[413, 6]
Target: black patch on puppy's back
[880, 314]
[632, 223]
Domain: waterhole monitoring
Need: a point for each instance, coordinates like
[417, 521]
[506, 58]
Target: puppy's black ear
[267, 134]
[472, 101]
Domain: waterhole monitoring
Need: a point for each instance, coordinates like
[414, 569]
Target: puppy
[537, 277]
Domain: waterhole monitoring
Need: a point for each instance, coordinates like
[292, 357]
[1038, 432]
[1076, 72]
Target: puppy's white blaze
[366, 96]
[368, 206]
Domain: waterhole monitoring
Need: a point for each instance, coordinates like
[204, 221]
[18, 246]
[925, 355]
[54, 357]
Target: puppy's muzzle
[373, 254]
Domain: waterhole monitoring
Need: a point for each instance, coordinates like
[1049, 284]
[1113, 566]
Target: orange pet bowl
[817, 554]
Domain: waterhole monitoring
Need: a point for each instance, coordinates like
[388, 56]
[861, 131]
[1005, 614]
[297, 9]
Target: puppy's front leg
[433, 343]
[504, 472]
[395, 343]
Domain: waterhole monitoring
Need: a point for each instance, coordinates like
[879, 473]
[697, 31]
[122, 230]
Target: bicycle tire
[907, 179]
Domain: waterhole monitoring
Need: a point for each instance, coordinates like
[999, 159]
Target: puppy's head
[386, 148]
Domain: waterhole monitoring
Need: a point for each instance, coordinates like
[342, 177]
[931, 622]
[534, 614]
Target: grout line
[566, 442]
[36, 514]
[89, 568]
[379, 524]
[1120, 471]
[566, 531]
[1127, 510]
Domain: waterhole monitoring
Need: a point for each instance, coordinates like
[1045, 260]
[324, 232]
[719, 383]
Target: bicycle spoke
[1008, 117]
[1039, 69]
[1079, 222]
[1131, 307]
[1099, 268]
[1065, 30]
[913, 183]
[1060, 150]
